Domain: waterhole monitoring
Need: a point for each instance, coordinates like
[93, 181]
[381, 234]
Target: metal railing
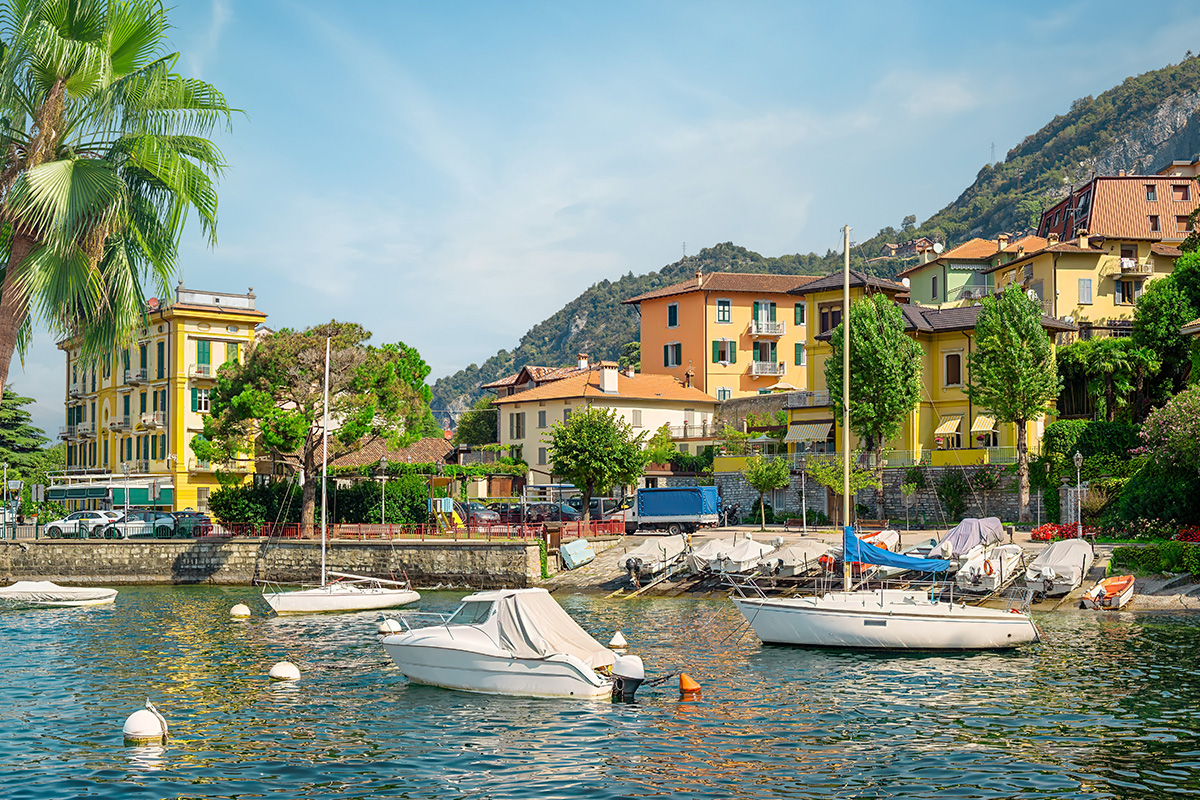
[1132, 266]
[806, 399]
[768, 368]
[135, 376]
[66, 432]
[201, 371]
[767, 328]
[153, 419]
[120, 423]
[695, 430]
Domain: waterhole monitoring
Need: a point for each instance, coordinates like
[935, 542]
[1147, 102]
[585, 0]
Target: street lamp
[382, 488]
[1078, 497]
[125, 469]
[803, 494]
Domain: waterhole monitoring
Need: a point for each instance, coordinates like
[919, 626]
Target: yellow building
[131, 415]
[945, 427]
[737, 334]
[961, 276]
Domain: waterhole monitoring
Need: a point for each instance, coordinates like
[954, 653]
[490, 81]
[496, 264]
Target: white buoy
[618, 642]
[145, 726]
[285, 671]
[239, 611]
[389, 626]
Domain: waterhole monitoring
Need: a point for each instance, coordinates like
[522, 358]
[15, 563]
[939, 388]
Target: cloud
[205, 45]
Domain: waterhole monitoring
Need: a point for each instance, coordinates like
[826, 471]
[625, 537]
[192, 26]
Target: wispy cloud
[205, 45]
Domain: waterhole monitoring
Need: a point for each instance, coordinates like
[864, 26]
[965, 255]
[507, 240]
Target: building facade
[961, 276]
[131, 414]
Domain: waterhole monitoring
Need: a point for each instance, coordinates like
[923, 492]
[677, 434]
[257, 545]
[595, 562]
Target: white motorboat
[46, 594]
[348, 592]
[990, 570]
[655, 555]
[743, 556]
[512, 642]
[969, 538]
[795, 559]
[1060, 568]
[708, 556]
[919, 550]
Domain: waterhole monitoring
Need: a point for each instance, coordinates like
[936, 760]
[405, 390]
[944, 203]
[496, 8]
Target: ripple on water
[1102, 708]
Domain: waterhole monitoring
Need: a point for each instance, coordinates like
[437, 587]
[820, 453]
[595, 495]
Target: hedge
[1157, 558]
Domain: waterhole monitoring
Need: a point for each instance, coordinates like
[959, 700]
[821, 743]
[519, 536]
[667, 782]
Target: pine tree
[21, 441]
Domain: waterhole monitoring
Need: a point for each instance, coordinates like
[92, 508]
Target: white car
[88, 521]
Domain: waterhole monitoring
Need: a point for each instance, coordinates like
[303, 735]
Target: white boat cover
[798, 556]
[49, 592]
[661, 549]
[968, 534]
[744, 555]
[532, 625]
[1067, 559]
[710, 553]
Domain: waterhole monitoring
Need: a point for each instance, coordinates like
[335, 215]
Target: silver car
[80, 524]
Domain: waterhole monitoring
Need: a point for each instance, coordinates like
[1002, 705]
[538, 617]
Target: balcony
[135, 377]
[806, 399]
[196, 465]
[201, 371]
[695, 430]
[119, 423]
[85, 432]
[141, 466]
[153, 420]
[66, 432]
[75, 392]
[767, 369]
[761, 328]
[1131, 266]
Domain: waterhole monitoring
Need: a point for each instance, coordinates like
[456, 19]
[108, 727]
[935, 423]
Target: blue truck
[674, 509]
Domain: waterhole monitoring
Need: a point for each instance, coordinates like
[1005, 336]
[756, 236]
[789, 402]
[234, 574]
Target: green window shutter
[773, 356]
[126, 405]
[799, 313]
[154, 447]
[799, 353]
[125, 358]
[203, 351]
[195, 399]
[162, 445]
[142, 404]
[162, 360]
[666, 355]
[772, 312]
[755, 310]
[231, 352]
[733, 352]
[142, 356]
[716, 351]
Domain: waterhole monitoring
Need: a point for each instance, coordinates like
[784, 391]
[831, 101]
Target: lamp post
[125, 469]
[803, 494]
[1078, 497]
[382, 489]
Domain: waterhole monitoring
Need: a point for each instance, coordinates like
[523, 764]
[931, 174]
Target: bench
[873, 524]
[793, 524]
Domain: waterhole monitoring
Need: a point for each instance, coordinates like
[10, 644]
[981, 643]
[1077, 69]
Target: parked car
[533, 513]
[507, 513]
[192, 523]
[80, 524]
[476, 513]
[560, 511]
[141, 522]
[599, 507]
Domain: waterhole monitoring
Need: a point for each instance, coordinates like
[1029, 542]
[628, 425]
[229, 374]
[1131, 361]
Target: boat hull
[335, 598]
[438, 663]
[886, 621]
[990, 570]
[1098, 599]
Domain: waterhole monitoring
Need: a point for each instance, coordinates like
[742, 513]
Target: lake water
[1103, 708]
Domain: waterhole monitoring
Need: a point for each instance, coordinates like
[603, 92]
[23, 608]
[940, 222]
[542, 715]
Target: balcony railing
[695, 430]
[141, 466]
[760, 369]
[153, 420]
[119, 423]
[76, 391]
[85, 432]
[66, 432]
[135, 376]
[201, 371]
[197, 465]
[761, 328]
[806, 399]
[1131, 266]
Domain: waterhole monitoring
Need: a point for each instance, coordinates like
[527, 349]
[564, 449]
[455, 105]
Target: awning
[77, 493]
[984, 423]
[950, 424]
[808, 432]
[140, 496]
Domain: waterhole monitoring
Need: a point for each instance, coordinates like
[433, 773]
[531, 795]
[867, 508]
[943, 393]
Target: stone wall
[734, 410]
[241, 561]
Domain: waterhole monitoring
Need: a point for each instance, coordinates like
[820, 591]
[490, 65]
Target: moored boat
[795, 559]
[708, 556]
[348, 593]
[969, 538]
[744, 556]
[1111, 594]
[654, 556]
[1060, 568]
[46, 594]
[989, 570]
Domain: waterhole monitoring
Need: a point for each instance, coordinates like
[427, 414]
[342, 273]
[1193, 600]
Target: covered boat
[511, 642]
[655, 555]
[795, 559]
[1111, 594]
[708, 555]
[744, 556]
[51, 595]
[1060, 568]
[969, 537]
[918, 550]
[990, 570]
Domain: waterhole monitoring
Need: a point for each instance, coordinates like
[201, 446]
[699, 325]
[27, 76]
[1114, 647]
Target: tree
[1012, 371]
[1186, 276]
[276, 397]
[21, 442]
[1161, 311]
[104, 160]
[477, 426]
[413, 371]
[766, 475]
[909, 223]
[885, 374]
[631, 356]
[1172, 434]
[595, 450]
[828, 473]
[661, 446]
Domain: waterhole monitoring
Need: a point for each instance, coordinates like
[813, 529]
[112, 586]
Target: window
[953, 369]
[764, 351]
[154, 447]
[673, 315]
[106, 365]
[142, 357]
[161, 361]
[724, 393]
[637, 418]
[1181, 192]
[231, 352]
[541, 419]
[799, 320]
[934, 294]
[203, 351]
[830, 317]
[724, 351]
[200, 401]
[202, 499]
[516, 425]
[1151, 193]
[1128, 292]
[1085, 291]
[1181, 224]
[1154, 227]
[125, 359]
[672, 354]
[162, 445]
[541, 455]
[142, 403]
[801, 354]
[764, 311]
[106, 451]
[683, 448]
[566, 415]
[724, 311]
[1129, 251]
[125, 397]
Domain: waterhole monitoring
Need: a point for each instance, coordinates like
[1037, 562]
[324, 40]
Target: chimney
[699, 279]
[583, 360]
[1120, 173]
[608, 378]
[629, 373]
[1001, 242]
[1052, 237]
[1082, 234]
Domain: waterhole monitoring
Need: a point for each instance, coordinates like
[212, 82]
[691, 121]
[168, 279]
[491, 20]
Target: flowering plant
[1053, 531]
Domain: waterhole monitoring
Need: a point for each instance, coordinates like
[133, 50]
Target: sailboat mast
[324, 456]
[846, 399]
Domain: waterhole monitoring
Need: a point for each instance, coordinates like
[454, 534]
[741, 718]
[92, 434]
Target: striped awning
[950, 424]
[808, 432]
[984, 423]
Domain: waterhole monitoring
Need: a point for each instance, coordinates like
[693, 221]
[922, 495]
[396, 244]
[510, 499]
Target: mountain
[1137, 126]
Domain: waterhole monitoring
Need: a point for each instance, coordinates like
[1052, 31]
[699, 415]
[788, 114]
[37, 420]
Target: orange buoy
[688, 688]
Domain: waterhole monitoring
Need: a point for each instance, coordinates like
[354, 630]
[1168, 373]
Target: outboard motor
[633, 565]
[628, 674]
[1048, 576]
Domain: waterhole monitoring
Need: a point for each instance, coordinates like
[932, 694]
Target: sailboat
[347, 592]
[895, 619]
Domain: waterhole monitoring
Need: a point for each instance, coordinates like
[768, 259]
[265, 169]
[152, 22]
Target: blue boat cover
[855, 549]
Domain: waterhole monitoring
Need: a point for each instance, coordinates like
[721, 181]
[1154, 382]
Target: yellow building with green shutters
[131, 415]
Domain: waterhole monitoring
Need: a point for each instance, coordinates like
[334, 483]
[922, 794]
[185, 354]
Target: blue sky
[450, 174]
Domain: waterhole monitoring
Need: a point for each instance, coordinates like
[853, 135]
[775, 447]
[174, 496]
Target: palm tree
[1110, 363]
[104, 157]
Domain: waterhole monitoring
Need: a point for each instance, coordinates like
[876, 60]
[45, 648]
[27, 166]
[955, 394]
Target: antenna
[685, 249]
[938, 247]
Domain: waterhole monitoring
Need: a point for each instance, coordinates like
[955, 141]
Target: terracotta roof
[249, 312]
[1191, 327]
[729, 282]
[431, 450]
[980, 250]
[642, 386]
[1061, 247]
[834, 281]
[1117, 208]
[534, 373]
[1160, 249]
[923, 319]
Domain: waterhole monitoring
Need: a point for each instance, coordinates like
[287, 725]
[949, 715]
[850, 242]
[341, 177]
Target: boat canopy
[968, 534]
[44, 592]
[663, 547]
[855, 549]
[532, 625]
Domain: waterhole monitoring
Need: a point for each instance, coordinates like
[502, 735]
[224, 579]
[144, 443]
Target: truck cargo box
[679, 503]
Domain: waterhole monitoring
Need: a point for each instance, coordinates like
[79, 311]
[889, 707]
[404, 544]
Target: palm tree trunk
[14, 306]
[1022, 472]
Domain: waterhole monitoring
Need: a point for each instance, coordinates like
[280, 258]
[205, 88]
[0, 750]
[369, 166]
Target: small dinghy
[919, 550]
[1110, 594]
[989, 570]
[1060, 567]
[45, 594]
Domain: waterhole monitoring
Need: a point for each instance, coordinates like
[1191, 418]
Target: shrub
[1053, 531]
[953, 490]
[915, 477]
[1164, 557]
[1154, 494]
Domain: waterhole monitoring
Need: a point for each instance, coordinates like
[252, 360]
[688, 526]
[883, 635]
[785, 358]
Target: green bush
[915, 476]
[1156, 558]
[754, 517]
[1152, 494]
[953, 490]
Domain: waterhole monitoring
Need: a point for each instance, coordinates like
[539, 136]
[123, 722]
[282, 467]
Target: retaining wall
[241, 561]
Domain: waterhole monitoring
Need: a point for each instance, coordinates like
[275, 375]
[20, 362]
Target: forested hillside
[1138, 126]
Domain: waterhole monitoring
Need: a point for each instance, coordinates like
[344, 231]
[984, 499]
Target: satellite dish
[906, 282]
[1069, 320]
[1032, 295]
[938, 247]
